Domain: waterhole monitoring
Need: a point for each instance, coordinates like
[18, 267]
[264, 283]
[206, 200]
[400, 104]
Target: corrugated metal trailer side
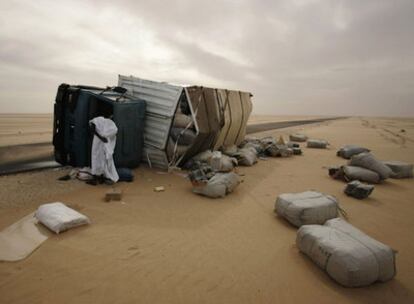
[246, 102]
[220, 117]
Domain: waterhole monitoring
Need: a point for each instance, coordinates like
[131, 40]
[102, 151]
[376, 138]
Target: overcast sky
[297, 57]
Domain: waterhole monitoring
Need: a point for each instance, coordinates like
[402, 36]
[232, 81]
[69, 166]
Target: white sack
[304, 208]
[58, 217]
[317, 143]
[399, 169]
[102, 162]
[348, 151]
[364, 175]
[368, 161]
[219, 185]
[349, 256]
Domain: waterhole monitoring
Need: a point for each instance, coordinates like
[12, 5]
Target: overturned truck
[183, 121]
[158, 123]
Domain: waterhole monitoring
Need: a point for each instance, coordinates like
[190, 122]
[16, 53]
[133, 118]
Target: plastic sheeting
[20, 239]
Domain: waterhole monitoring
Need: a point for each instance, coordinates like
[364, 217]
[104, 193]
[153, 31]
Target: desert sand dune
[177, 247]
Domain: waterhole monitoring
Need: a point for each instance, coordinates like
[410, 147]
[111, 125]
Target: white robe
[101, 156]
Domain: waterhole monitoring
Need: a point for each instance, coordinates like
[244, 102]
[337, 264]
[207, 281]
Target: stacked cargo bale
[183, 132]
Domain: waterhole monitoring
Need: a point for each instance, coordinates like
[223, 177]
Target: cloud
[296, 57]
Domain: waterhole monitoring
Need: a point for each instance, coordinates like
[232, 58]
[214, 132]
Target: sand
[19, 129]
[177, 247]
[25, 136]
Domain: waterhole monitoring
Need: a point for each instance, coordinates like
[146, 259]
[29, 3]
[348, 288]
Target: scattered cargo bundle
[364, 167]
[348, 255]
[246, 156]
[317, 143]
[368, 161]
[351, 173]
[399, 169]
[206, 167]
[218, 161]
[268, 146]
[219, 185]
[358, 190]
[305, 208]
[348, 151]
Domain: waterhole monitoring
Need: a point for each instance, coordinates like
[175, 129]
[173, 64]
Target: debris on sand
[351, 173]
[358, 190]
[246, 156]
[368, 161]
[399, 169]
[159, 189]
[217, 186]
[113, 194]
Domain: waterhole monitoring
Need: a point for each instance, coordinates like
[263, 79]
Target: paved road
[46, 161]
[284, 124]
